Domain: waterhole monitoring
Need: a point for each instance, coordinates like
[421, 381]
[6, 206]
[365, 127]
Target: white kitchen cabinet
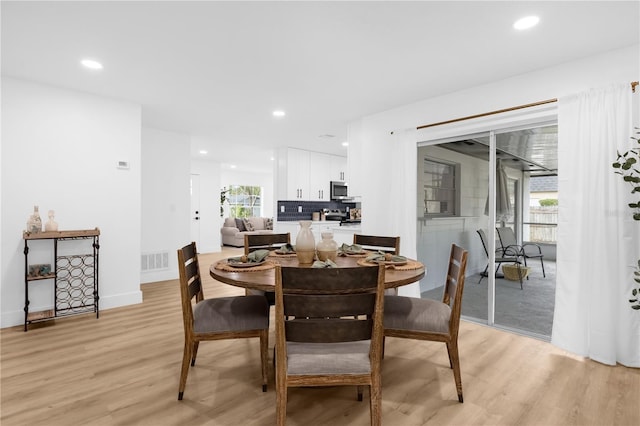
[296, 175]
[319, 176]
[339, 168]
[341, 234]
[305, 175]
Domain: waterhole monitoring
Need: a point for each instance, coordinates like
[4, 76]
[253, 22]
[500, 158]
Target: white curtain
[598, 240]
[404, 175]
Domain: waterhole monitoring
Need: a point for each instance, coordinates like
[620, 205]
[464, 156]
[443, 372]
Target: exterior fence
[543, 223]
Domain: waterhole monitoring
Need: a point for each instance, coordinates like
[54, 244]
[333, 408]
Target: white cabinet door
[319, 176]
[339, 168]
[297, 174]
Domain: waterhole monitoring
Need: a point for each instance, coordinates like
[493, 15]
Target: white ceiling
[216, 70]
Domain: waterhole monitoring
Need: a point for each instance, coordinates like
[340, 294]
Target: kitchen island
[342, 234]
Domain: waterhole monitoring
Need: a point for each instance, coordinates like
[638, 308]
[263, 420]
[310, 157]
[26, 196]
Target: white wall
[210, 221]
[166, 168]
[59, 151]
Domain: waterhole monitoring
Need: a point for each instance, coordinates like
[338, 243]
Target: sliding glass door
[469, 187]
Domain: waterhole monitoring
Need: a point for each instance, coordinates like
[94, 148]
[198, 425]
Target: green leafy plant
[223, 198]
[548, 202]
[635, 302]
[627, 166]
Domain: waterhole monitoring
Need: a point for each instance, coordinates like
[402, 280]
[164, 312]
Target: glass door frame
[490, 125]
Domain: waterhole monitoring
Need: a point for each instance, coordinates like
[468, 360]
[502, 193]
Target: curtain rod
[469, 117]
[484, 114]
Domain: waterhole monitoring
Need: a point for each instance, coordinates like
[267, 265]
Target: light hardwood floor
[124, 369]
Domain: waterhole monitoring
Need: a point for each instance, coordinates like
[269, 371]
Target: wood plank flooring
[123, 369]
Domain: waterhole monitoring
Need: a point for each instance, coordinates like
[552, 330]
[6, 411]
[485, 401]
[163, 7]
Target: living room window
[244, 201]
[440, 188]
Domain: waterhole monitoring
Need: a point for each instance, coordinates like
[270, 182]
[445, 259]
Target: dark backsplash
[308, 207]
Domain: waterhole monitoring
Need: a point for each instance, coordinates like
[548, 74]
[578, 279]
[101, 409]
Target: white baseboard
[16, 317]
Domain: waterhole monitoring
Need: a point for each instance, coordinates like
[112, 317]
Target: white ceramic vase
[305, 243]
[327, 248]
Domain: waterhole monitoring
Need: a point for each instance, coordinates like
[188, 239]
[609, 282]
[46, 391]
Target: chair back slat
[253, 242]
[454, 286]
[330, 306]
[193, 278]
[328, 330]
[328, 280]
[375, 243]
[190, 283]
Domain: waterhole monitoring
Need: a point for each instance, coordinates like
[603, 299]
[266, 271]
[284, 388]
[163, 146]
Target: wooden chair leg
[453, 354]
[194, 354]
[186, 357]
[375, 403]
[281, 404]
[359, 389]
[264, 357]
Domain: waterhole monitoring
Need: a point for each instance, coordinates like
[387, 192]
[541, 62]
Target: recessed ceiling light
[233, 166]
[526, 22]
[204, 152]
[345, 143]
[91, 64]
[278, 113]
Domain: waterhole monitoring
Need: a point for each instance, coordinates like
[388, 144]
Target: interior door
[195, 209]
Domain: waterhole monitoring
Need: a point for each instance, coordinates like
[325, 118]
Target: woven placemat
[410, 265]
[224, 266]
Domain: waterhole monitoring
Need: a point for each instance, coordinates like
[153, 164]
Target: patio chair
[427, 319]
[526, 250]
[217, 318]
[329, 331]
[502, 256]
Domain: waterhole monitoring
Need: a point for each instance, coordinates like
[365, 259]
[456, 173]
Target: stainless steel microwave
[339, 190]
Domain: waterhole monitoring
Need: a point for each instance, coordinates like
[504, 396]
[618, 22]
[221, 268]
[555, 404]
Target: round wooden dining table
[265, 279]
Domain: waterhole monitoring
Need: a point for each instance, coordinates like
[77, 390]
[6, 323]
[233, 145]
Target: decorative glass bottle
[327, 248]
[51, 224]
[305, 243]
[34, 224]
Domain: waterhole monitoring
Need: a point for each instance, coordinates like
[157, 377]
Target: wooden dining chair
[220, 318]
[374, 243]
[329, 331]
[379, 243]
[427, 319]
[254, 242]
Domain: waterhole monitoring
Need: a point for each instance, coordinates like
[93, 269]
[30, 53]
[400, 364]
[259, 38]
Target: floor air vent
[154, 261]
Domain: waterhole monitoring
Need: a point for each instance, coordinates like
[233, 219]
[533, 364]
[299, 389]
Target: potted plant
[627, 165]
